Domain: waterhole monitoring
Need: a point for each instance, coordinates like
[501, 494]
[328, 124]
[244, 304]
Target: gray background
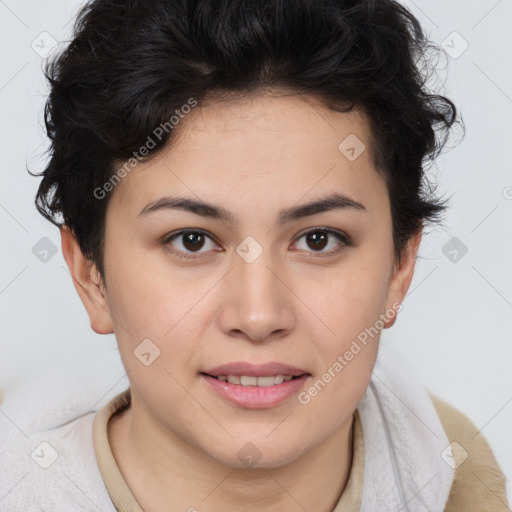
[455, 328]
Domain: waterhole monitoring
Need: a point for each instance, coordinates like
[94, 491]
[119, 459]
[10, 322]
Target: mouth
[255, 386]
[252, 380]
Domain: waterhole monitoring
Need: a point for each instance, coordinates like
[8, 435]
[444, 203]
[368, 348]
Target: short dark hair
[131, 65]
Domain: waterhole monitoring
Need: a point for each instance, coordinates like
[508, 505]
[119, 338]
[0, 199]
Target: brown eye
[189, 241]
[193, 241]
[317, 240]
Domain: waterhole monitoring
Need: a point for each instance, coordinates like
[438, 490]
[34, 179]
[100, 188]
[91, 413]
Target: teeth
[267, 381]
[249, 381]
[246, 380]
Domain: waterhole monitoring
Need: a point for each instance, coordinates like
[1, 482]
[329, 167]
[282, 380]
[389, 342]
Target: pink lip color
[256, 397]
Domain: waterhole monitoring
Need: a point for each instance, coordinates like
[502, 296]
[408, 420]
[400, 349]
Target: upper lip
[253, 370]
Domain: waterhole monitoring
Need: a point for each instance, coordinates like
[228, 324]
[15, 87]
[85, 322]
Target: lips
[251, 386]
[256, 396]
[251, 370]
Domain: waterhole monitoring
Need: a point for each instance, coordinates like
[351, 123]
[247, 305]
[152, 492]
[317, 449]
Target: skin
[178, 442]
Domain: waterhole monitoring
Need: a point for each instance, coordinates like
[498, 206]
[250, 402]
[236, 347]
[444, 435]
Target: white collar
[403, 441]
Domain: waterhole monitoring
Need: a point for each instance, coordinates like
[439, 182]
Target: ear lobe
[403, 274]
[87, 282]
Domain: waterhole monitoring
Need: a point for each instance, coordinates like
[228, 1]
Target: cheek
[154, 317]
[345, 358]
[350, 307]
[345, 300]
[144, 296]
[172, 311]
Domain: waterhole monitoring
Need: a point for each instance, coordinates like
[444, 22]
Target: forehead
[272, 119]
[262, 149]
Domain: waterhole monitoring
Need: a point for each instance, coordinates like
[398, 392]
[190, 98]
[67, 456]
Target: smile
[249, 380]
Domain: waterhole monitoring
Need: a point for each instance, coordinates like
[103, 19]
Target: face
[255, 280]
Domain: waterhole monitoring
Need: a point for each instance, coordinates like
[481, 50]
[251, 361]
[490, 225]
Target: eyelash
[342, 237]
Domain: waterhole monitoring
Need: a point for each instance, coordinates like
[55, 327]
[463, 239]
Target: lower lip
[256, 397]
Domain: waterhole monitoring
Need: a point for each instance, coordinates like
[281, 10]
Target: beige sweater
[479, 483]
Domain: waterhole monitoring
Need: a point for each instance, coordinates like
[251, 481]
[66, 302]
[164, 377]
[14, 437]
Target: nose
[257, 305]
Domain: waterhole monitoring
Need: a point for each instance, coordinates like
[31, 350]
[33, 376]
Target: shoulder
[478, 483]
[52, 470]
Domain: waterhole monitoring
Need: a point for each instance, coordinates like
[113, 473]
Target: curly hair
[132, 64]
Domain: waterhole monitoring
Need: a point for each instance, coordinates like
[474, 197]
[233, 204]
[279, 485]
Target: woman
[242, 197]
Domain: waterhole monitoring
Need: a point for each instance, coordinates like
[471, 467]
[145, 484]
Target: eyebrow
[329, 203]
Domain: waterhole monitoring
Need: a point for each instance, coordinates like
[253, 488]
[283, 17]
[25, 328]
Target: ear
[402, 275]
[88, 283]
